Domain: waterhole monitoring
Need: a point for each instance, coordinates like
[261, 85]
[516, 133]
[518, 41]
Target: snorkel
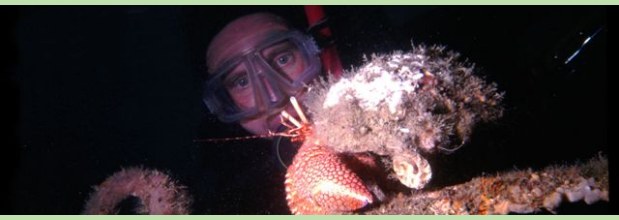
[319, 28]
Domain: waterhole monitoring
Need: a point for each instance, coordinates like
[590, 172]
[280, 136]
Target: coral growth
[510, 192]
[404, 105]
[157, 192]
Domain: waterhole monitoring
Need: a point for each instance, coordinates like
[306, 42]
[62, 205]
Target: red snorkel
[329, 57]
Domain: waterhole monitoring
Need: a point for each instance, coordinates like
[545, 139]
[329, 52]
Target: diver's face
[236, 40]
[283, 57]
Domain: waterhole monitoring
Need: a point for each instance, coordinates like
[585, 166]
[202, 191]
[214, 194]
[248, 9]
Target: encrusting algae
[509, 192]
[402, 106]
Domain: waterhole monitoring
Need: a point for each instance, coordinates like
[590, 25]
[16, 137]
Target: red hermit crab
[318, 181]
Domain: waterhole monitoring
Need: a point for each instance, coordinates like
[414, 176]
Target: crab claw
[319, 182]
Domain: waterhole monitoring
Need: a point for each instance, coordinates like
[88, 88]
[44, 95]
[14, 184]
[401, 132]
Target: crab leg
[283, 121]
[296, 106]
[294, 121]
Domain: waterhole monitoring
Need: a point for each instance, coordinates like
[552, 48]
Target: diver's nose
[273, 97]
[264, 73]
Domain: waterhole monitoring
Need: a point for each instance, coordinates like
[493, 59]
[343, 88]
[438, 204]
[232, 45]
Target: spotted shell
[318, 182]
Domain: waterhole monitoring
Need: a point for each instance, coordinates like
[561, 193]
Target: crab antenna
[296, 106]
[291, 119]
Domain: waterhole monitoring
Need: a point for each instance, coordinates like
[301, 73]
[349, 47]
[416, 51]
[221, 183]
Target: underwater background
[91, 90]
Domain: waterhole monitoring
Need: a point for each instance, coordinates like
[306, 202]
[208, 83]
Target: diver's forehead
[248, 43]
[238, 42]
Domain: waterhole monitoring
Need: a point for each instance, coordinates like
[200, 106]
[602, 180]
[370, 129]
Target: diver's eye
[284, 59]
[241, 81]
[237, 81]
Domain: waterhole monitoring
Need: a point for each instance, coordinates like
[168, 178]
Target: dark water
[93, 89]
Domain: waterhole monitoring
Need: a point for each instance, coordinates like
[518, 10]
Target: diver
[255, 64]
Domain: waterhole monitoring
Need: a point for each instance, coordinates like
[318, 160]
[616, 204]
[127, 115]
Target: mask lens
[238, 84]
[286, 59]
[229, 93]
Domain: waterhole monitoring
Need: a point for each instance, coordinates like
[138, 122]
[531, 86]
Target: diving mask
[261, 79]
